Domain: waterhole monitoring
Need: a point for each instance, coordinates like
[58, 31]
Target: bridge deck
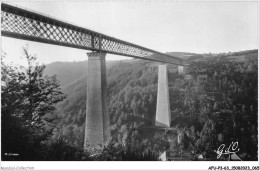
[27, 25]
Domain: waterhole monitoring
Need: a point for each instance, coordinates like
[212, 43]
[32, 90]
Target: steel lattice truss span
[24, 24]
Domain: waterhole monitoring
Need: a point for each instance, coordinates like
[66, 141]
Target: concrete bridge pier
[182, 69]
[97, 126]
[163, 114]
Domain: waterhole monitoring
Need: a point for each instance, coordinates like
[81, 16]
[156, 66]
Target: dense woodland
[221, 109]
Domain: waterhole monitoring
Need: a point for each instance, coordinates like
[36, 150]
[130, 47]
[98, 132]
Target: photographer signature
[233, 148]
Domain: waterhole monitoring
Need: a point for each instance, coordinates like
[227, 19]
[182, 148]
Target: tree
[27, 96]
[41, 92]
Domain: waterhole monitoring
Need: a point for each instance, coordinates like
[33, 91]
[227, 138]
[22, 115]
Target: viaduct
[25, 24]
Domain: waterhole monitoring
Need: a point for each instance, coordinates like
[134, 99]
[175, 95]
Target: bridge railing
[24, 24]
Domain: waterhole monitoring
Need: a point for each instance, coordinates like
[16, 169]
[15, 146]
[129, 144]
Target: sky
[165, 26]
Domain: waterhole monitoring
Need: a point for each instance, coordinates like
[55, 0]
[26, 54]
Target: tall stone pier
[182, 70]
[163, 114]
[97, 127]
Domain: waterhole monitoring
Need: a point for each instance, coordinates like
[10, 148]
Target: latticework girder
[24, 24]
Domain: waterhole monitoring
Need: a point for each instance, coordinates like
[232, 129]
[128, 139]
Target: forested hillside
[69, 72]
[123, 77]
[220, 109]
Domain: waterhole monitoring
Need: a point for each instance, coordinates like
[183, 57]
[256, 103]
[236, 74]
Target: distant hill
[250, 55]
[67, 72]
[70, 72]
[186, 55]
